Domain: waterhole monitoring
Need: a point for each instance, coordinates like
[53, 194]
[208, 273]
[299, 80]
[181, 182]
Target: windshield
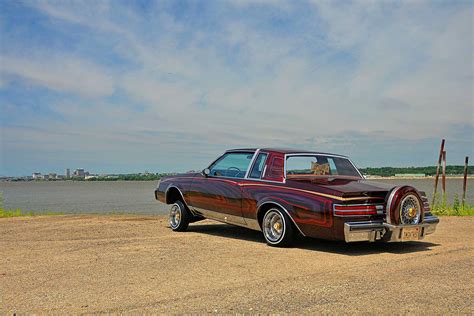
[319, 165]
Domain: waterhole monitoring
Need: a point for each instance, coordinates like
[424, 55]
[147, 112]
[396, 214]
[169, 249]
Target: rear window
[319, 165]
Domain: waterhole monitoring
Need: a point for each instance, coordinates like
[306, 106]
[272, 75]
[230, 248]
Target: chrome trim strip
[252, 224]
[173, 186]
[263, 180]
[264, 167]
[284, 209]
[230, 219]
[316, 154]
[265, 170]
[252, 161]
[222, 217]
[353, 165]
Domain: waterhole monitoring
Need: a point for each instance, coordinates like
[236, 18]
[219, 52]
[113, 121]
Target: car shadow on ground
[338, 247]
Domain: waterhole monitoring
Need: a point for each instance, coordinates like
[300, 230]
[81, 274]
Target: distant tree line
[429, 171]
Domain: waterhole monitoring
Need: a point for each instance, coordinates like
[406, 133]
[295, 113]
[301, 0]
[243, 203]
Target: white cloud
[64, 74]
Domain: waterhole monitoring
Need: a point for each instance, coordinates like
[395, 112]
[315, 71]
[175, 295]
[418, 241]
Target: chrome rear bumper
[379, 230]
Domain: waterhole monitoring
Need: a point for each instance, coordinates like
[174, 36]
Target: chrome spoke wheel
[410, 210]
[175, 215]
[273, 226]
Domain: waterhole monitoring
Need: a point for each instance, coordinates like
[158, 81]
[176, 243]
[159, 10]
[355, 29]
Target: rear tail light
[357, 210]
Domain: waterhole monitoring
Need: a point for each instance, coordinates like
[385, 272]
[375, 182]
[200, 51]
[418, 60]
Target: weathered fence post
[444, 176]
[437, 171]
[464, 184]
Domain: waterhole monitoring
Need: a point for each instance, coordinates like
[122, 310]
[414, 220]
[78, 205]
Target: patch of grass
[441, 207]
[19, 212]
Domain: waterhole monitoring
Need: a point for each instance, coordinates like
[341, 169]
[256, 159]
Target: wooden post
[437, 171]
[444, 175]
[464, 184]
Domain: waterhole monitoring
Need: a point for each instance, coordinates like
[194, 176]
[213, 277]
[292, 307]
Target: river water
[137, 196]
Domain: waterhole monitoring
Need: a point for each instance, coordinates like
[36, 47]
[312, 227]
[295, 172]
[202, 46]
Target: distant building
[79, 173]
[37, 175]
[52, 175]
[410, 175]
[68, 173]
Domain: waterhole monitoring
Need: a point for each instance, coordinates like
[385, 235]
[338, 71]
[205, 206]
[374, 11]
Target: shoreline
[367, 177]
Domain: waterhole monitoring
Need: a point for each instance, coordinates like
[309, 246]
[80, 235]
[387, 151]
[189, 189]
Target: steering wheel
[228, 169]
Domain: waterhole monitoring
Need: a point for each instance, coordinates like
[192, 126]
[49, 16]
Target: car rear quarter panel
[311, 213]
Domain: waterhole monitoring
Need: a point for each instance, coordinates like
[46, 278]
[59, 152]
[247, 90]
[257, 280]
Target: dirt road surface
[114, 264]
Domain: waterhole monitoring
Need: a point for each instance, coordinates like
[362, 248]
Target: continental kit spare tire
[404, 206]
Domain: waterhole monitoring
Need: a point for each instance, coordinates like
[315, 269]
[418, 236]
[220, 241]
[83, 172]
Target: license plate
[410, 233]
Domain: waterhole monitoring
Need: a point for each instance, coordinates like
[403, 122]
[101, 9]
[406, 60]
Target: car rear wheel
[179, 217]
[277, 228]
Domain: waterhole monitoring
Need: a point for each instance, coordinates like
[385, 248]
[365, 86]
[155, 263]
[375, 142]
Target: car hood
[343, 187]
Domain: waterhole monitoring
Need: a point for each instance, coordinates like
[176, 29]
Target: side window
[258, 166]
[233, 165]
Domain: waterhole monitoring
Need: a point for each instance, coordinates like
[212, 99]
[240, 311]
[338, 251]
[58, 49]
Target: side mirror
[206, 172]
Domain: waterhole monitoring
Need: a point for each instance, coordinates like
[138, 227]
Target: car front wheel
[277, 228]
[179, 217]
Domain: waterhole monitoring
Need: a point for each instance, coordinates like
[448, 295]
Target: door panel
[217, 198]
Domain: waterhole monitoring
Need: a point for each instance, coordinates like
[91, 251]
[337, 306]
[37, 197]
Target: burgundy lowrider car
[283, 192]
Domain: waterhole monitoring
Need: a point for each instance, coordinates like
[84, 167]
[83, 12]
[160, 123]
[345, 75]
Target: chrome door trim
[222, 217]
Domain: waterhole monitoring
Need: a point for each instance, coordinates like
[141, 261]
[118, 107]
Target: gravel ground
[135, 264]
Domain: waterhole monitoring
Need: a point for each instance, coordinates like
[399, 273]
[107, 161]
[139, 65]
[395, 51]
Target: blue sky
[129, 86]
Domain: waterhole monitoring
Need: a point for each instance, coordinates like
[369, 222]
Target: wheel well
[173, 195]
[263, 209]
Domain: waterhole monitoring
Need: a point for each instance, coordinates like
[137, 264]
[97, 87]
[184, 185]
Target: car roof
[283, 151]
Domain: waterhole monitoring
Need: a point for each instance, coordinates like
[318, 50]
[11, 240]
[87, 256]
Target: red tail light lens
[352, 210]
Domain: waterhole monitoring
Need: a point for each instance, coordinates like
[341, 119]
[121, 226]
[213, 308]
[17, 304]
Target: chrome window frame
[253, 165]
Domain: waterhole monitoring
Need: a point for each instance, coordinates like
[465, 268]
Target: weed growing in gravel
[455, 209]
